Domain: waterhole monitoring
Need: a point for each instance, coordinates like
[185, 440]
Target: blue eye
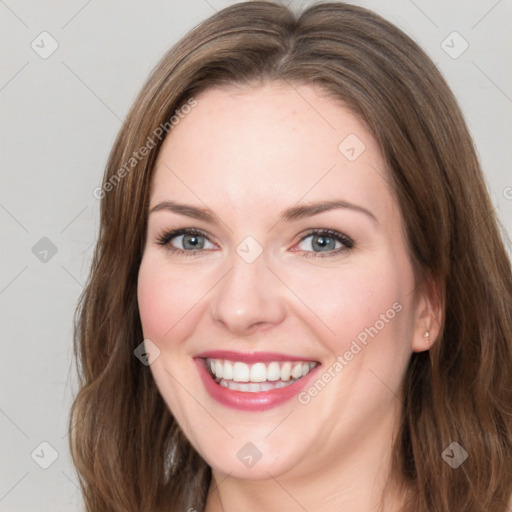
[325, 242]
[316, 243]
[184, 240]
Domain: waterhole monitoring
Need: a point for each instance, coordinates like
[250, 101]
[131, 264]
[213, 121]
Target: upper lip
[251, 357]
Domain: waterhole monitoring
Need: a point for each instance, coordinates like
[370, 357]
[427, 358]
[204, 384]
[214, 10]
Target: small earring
[427, 336]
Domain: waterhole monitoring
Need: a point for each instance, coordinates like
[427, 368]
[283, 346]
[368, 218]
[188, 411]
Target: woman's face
[285, 317]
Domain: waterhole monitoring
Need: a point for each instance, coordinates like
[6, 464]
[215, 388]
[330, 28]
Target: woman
[225, 363]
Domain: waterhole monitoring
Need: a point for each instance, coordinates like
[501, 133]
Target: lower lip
[247, 401]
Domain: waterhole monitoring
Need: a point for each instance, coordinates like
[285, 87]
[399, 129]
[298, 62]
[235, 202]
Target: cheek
[362, 301]
[155, 302]
[165, 299]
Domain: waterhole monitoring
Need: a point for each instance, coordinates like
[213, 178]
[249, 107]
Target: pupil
[324, 242]
[193, 241]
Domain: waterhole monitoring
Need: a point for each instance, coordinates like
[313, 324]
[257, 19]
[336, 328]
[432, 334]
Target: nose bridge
[248, 295]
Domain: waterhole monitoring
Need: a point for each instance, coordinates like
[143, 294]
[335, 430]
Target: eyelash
[164, 239]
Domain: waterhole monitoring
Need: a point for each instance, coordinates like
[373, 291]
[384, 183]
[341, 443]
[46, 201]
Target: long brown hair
[129, 452]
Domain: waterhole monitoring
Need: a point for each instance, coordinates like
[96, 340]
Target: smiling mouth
[257, 377]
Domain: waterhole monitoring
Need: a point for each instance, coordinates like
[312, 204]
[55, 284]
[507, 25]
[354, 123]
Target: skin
[247, 154]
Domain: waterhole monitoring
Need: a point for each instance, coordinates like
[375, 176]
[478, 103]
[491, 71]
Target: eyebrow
[291, 214]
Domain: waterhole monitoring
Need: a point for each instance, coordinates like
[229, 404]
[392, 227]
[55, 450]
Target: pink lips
[245, 401]
[253, 357]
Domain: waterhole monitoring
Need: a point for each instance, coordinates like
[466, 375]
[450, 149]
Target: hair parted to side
[122, 434]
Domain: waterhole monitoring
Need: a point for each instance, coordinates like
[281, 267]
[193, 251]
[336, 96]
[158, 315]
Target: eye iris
[194, 241]
[325, 243]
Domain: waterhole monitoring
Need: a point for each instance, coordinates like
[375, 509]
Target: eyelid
[346, 241]
[164, 238]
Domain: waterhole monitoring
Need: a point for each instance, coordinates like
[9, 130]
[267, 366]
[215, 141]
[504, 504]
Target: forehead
[253, 148]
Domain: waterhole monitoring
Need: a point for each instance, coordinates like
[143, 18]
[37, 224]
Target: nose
[249, 298]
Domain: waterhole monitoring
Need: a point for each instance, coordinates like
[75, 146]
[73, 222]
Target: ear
[428, 318]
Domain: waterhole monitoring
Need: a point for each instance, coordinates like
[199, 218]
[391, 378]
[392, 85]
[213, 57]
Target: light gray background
[60, 116]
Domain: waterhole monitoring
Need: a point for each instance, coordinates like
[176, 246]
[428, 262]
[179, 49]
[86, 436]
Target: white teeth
[260, 376]
[227, 371]
[297, 371]
[232, 385]
[286, 371]
[253, 387]
[267, 386]
[218, 368]
[258, 373]
[273, 371]
[240, 372]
